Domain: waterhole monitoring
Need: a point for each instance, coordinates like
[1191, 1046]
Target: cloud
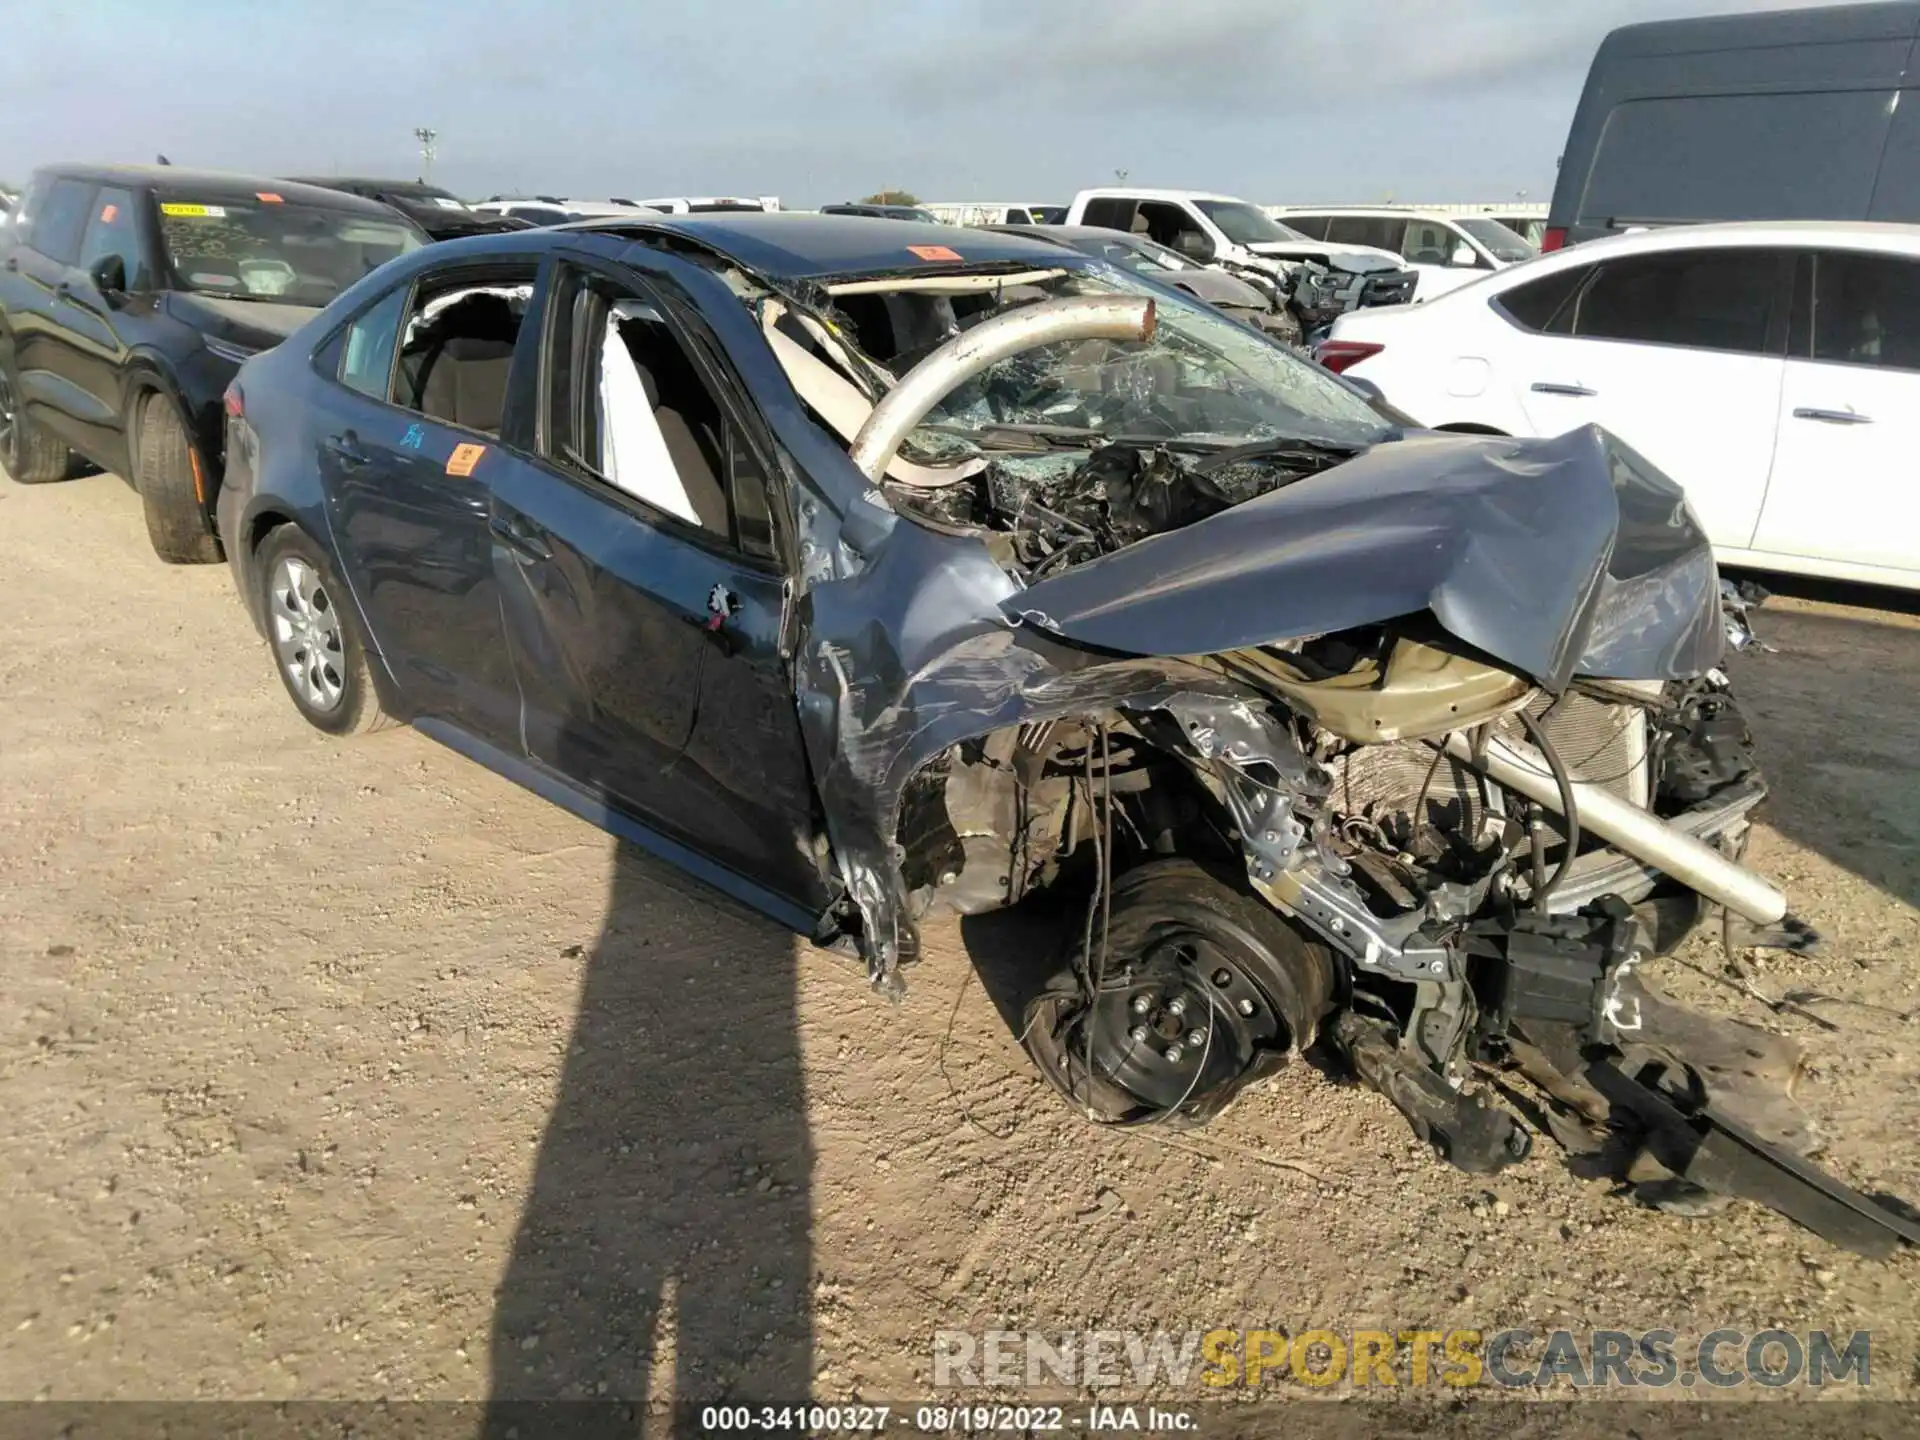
[1348, 99]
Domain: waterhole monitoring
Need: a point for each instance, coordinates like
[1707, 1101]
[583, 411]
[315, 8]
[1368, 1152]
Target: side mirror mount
[109, 275]
[1464, 257]
[1194, 245]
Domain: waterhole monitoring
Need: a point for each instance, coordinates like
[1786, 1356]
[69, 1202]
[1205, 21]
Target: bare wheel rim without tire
[306, 634]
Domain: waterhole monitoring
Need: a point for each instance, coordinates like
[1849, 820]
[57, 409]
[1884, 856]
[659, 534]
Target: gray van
[1793, 115]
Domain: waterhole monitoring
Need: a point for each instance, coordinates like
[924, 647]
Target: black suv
[128, 298]
[441, 213]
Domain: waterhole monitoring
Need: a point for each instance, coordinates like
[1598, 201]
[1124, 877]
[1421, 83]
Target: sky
[1289, 102]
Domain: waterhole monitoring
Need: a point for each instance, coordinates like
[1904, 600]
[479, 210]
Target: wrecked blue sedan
[876, 570]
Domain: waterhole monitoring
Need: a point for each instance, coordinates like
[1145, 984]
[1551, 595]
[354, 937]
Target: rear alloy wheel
[1202, 988]
[316, 647]
[28, 453]
[168, 476]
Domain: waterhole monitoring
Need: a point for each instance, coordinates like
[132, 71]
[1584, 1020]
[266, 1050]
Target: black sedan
[872, 570]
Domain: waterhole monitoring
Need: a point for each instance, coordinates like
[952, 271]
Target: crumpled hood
[1557, 557]
[1339, 257]
[257, 323]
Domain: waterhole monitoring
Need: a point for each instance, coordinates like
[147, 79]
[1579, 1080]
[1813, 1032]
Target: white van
[1447, 250]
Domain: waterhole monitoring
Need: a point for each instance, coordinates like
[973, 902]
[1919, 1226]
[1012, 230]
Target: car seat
[461, 365]
[649, 449]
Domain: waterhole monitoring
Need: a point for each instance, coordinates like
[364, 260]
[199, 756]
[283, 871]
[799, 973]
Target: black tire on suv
[28, 453]
[164, 475]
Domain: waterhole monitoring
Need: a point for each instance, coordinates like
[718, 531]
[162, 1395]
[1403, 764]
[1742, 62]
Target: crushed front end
[1412, 747]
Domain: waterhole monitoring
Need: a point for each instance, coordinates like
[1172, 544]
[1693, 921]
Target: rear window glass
[1866, 310]
[1703, 299]
[1737, 157]
[1109, 214]
[60, 219]
[1541, 305]
[1383, 232]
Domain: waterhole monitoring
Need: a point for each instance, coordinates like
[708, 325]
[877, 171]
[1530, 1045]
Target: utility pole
[426, 138]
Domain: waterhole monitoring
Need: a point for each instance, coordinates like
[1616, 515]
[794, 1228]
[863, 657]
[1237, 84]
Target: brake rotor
[1180, 1022]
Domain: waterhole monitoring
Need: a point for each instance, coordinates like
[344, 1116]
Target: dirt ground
[351, 1070]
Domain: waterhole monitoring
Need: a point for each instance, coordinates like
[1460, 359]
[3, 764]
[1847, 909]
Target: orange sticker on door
[464, 458]
[933, 252]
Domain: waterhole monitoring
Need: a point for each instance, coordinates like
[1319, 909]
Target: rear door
[1681, 355]
[1845, 483]
[93, 350]
[644, 604]
[38, 315]
[408, 442]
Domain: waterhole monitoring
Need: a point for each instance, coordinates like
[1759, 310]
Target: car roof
[1840, 234]
[334, 182]
[212, 184]
[1880, 236]
[787, 245]
[1285, 210]
[1147, 192]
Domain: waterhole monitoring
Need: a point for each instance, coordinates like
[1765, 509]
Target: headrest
[479, 316]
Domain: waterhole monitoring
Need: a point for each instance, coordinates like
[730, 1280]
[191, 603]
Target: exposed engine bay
[1414, 748]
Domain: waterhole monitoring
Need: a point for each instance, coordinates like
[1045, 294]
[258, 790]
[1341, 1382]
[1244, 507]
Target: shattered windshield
[1245, 224]
[1202, 379]
[263, 248]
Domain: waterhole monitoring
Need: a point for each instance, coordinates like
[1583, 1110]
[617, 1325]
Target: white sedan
[1771, 369]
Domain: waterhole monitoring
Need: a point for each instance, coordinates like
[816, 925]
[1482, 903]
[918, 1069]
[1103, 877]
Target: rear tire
[177, 520]
[27, 452]
[314, 636]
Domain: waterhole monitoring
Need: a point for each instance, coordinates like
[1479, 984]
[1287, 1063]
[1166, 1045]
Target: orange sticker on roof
[267, 197]
[464, 458]
[933, 252]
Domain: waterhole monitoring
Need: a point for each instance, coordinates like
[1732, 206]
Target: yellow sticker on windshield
[208, 212]
[464, 458]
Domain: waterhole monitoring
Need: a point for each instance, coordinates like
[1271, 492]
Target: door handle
[345, 448]
[1833, 417]
[13, 262]
[1548, 387]
[516, 534]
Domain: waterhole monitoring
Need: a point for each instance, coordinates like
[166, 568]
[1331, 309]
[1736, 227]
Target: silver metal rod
[1640, 833]
[1087, 317]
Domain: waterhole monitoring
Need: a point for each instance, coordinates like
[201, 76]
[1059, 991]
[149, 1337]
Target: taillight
[236, 402]
[1342, 355]
[1554, 239]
